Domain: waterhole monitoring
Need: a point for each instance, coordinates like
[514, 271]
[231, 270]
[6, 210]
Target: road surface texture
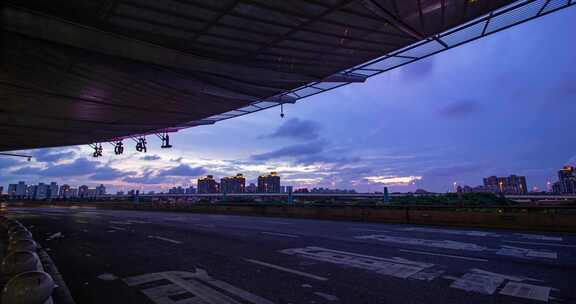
[115, 256]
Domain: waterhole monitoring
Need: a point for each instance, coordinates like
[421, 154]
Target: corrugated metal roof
[84, 71]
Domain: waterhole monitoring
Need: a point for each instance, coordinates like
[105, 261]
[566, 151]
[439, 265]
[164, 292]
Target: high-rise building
[512, 184]
[19, 190]
[567, 180]
[53, 190]
[31, 192]
[207, 185]
[251, 188]
[269, 183]
[491, 184]
[100, 191]
[42, 191]
[11, 190]
[83, 191]
[176, 190]
[64, 191]
[233, 184]
[190, 190]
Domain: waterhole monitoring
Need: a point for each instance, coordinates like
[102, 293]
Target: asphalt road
[112, 256]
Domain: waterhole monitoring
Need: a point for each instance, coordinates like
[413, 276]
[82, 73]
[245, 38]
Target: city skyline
[423, 124]
[271, 183]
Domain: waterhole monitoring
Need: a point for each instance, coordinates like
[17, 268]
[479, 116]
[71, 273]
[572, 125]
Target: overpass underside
[85, 71]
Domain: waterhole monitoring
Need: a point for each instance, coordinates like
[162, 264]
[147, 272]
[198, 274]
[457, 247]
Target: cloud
[454, 170]
[150, 157]
[293, 151]
[7, 162]
[182, 170]
[459, 109]
[147, 179]
[393, 180]
[52, 154]
[418, 70]
[109, 173]
[79, 167]
[295, 128]
[28, 170]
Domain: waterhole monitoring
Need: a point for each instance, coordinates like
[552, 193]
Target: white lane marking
[543, 244]
[164, 239]
[526, 291]
[451, 231]
[327, 296]
[395, 267]
[539, 237]
[445, 244]
[117, 228]
[206, 225]
[119, 223]
[137, 222]
[280, 234]
[300, 273]
[448, 244]
[482, 281]
[526, 252]
[445, 255]
[56, 235]
[192, 288]
[278, 223]
[368, 230]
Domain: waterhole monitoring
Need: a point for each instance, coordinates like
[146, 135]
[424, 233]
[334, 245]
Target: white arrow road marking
[395, 267]
[191, 288]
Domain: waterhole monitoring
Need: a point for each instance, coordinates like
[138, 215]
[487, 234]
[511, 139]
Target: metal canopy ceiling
[85, 71]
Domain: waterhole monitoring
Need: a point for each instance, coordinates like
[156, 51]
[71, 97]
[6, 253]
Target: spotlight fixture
[97, 150]
[141, 145]
[118, 148]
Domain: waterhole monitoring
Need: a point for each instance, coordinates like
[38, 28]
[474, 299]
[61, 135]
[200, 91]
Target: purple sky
[505, 104]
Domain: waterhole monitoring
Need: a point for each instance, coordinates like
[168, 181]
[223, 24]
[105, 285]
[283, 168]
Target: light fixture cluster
[141, 145]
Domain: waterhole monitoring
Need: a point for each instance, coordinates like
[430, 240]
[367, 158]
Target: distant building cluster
[512, 184]
[566, 183]
[180, 190]
[44, 191]
[269, 183]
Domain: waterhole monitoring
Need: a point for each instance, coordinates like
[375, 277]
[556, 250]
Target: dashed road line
[445, 255]
[300, 273]
[280, 234]
[369, 230]
[164, 239]
[206, 225]
[543, 244]
[117, 228]
[278, 223]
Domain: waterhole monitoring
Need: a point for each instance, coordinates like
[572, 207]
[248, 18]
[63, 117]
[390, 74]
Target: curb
[61, 293]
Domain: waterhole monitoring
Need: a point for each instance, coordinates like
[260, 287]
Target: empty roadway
[115, 256]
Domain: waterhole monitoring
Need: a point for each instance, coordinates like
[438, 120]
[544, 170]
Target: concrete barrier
[27, 281]
[33, 287]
